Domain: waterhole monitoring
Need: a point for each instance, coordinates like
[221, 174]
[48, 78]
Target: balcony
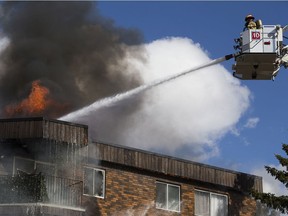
[38, 188]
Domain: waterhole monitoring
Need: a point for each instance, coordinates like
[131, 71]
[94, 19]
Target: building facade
[48, 167]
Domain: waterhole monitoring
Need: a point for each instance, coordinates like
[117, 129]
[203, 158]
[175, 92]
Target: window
[94, 182]
[210, 204]
[30, 166]
[167, 196]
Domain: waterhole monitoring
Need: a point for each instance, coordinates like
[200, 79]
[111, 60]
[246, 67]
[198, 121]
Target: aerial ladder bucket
[261, 54]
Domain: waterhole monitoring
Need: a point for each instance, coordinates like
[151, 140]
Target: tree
[279, 203]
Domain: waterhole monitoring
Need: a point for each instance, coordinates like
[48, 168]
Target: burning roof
[36, 103]
[60, 53]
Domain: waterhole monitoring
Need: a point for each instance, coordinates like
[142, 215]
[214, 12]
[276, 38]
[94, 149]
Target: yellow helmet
[250, 16]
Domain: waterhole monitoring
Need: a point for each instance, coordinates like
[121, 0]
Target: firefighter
[250, 24]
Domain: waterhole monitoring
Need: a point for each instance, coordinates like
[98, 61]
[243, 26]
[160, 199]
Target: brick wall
[129, 193]
[134, 193]
[241, 205]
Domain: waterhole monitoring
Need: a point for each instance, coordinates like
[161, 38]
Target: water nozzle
[227, 57]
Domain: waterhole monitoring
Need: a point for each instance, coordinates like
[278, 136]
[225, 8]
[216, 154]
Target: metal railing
[26, 188]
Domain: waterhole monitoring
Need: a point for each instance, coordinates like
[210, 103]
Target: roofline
[173, 158]
[41, 118]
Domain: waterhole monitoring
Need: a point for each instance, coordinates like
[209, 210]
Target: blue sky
[214, 25]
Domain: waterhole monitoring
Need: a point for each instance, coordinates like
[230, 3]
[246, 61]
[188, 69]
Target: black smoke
[74, 51]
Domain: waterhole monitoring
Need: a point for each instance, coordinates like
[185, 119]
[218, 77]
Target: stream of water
[121, 96]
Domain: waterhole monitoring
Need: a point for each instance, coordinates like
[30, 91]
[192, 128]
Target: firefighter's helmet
[249, 17]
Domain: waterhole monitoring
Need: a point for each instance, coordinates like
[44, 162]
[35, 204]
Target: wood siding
[175, 167]
[58, 131]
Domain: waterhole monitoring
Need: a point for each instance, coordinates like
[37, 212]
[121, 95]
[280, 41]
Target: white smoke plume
[185, 117]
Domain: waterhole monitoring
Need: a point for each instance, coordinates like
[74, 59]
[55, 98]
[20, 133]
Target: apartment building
[50, 167]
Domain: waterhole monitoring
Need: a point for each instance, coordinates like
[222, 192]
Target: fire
[36, 103]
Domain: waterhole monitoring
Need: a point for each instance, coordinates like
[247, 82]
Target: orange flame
[36, 103]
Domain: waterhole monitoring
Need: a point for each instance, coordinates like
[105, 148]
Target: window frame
[93, 181]
[35, 162]
[210, 194]
[167, 196]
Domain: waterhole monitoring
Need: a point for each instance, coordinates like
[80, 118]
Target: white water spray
[121, 96]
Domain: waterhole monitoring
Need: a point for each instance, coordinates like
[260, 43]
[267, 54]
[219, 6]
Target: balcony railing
[26, 188]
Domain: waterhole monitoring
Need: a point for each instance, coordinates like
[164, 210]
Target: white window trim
[167, 198]
[104, 181]
[210, 193]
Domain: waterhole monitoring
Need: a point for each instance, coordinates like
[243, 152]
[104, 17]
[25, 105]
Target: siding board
[177, 167]
[58, 131]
